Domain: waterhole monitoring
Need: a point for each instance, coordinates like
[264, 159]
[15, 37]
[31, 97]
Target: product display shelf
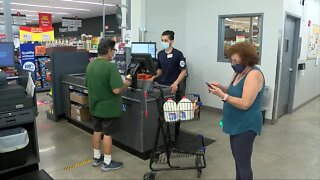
[43, 72]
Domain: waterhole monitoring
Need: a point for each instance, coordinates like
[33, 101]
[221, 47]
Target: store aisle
[288, 150]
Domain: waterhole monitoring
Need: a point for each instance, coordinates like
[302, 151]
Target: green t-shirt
[102, 77]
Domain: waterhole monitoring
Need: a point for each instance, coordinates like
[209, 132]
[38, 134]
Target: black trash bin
[13, 147]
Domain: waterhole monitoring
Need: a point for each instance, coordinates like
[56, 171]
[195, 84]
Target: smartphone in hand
[209, 85]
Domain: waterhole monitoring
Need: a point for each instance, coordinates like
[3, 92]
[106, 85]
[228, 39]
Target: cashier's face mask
[165, 45]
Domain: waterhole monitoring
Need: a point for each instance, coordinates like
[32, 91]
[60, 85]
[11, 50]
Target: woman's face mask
[238, 68]
[236, 63]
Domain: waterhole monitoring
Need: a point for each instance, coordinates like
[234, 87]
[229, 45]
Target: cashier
[172, 68]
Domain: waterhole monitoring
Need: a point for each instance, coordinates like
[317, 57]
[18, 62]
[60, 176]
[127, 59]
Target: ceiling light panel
[51, 12]
[87, 2]
[49, 7]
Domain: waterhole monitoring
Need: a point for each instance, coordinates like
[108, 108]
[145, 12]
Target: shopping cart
[186, 144]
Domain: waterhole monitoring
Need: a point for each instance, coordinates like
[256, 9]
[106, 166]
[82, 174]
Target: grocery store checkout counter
[139, 120]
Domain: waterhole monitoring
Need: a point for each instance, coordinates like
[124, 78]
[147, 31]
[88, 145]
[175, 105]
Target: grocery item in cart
[186, 109]
[170, 111]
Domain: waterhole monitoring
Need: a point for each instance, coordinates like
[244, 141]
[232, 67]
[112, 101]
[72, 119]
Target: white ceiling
[61, 8]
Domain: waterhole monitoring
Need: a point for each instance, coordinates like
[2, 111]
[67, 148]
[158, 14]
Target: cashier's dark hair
[105, 45]
[169, 33]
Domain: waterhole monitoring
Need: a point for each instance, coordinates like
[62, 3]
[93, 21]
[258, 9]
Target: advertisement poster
[45, 20]
[36, 33]
[314, 42]
[28, 59]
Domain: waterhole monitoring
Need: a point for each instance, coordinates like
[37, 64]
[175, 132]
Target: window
[239, 28]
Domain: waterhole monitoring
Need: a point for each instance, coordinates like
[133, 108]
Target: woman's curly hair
[247, 53]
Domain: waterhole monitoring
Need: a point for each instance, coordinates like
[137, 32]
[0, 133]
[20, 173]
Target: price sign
[46, 37]
[27, 37]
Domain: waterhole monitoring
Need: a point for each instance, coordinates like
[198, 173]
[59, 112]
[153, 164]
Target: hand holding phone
[209, 85]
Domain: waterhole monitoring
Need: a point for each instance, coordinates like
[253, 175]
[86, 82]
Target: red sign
[45, 20]
[2, 36]
[35, 29]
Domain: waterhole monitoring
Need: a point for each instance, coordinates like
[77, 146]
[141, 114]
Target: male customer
[105, 86]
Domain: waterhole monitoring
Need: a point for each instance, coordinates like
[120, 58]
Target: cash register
[17, 111]
[13, 97]
[141, 63]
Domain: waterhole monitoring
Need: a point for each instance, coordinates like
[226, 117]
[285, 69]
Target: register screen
[6, 55]
[144, 48]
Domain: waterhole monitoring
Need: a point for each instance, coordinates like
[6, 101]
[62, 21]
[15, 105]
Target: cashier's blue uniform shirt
[171, 65]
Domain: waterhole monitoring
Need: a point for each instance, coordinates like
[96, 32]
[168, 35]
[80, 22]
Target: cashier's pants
[241, 146]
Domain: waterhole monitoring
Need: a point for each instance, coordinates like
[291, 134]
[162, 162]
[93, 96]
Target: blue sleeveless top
[237, 121]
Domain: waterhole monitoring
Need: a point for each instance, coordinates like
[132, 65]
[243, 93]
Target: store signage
[45, 20]
[2, 36]
[68, 29]
[17, 19]
[36, 33]
[28, 59]
[71, 22]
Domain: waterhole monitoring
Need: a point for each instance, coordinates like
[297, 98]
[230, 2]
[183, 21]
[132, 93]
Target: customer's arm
[223, 87]
[125, 86]
[116, 83]
[252, 86]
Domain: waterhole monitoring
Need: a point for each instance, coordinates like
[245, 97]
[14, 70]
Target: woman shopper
[242, 118]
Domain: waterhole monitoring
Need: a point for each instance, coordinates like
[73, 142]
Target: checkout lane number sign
[30, 66]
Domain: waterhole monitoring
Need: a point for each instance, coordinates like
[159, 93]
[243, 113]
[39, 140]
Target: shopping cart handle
[158, 86]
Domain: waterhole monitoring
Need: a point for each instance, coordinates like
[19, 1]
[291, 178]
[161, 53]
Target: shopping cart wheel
[199, 172]
[149, 176]
[155, 157]
[198, 165]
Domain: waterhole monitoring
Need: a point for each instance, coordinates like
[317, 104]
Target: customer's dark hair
[246, 51]
[105, 45]
[169, 33]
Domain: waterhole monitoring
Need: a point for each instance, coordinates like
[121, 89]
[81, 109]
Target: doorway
[288, 67]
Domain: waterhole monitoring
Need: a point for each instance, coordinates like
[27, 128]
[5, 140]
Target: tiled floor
[289, 149]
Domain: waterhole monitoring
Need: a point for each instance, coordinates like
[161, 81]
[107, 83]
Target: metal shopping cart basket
[186, 144]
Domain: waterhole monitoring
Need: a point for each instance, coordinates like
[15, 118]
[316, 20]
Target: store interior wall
[166, 15]
[92, 26]
[307, 82]
[138, 18]
[196, 26]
